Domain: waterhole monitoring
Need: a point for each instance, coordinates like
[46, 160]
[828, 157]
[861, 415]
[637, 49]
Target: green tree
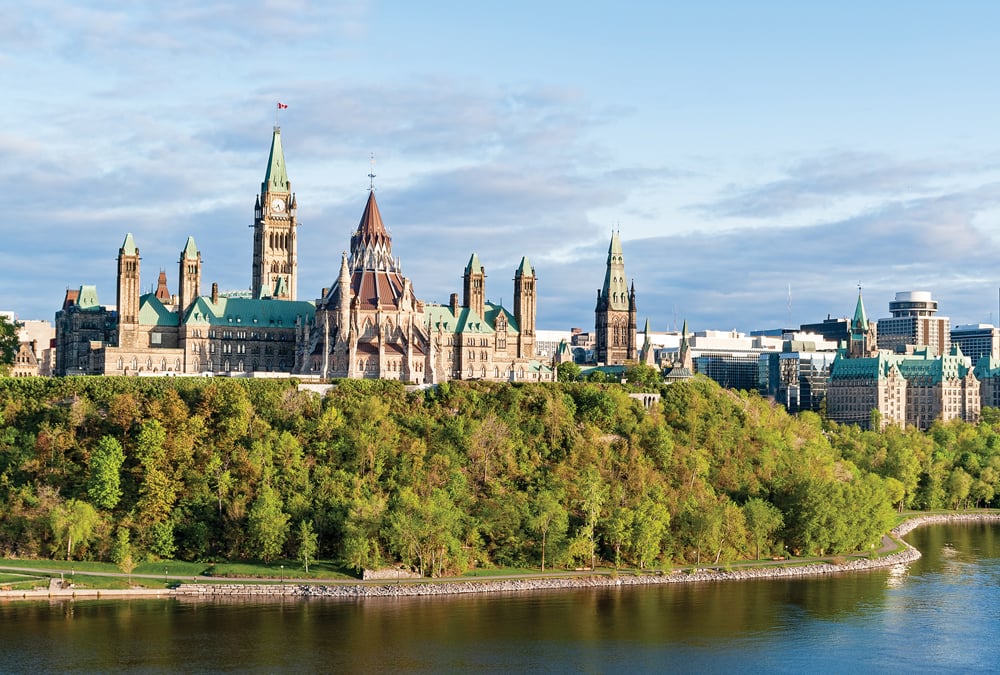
[104, 484]
[593, 494]
[763, 519]
[161, 539]
[567, 371]
[73, 524]
[308, 543]
[267, 524]
[361, 532]
[650, 525]
[548, 516]
[121, 552]
[959, 486]
[9, 344]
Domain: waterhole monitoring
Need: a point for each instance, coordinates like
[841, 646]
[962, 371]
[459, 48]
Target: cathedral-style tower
[475, 286]
[190, 276]
[524, 309]
[615, 314]
[862, 342]
[128, 292]
[275, 257]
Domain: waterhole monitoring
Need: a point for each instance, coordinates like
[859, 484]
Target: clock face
[277, 205]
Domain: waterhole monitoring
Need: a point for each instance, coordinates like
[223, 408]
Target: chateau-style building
[906, 389]
[368, 324]
[615, 314]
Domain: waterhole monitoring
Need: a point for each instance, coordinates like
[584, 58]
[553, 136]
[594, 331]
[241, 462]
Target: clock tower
[275, 257]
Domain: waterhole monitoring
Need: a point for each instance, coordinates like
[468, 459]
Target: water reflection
[940, 613]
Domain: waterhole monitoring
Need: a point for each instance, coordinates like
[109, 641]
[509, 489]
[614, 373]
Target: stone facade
[369, 324]
[906, 389]
[615, 313]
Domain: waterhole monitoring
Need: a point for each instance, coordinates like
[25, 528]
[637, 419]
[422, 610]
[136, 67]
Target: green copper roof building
[276, 178]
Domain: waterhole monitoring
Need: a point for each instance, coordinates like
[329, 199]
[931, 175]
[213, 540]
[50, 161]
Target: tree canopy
[461, 475]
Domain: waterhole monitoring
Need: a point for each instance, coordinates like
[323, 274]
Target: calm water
[942, 614]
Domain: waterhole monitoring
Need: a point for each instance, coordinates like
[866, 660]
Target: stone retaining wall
[353, 591]
[520, 585]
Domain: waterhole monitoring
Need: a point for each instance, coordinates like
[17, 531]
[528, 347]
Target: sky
[760, 159]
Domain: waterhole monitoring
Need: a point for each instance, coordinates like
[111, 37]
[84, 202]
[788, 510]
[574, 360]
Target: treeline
[458, 476]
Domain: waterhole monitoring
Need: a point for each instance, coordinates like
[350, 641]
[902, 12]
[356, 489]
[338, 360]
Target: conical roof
[190, 251]
[128, 246]
[615, 289]
[525, 269]
[474, 266]
[371, 233]
[275, 178]
[860, 321]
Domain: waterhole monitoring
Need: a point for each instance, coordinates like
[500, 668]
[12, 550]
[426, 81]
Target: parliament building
[368, 324]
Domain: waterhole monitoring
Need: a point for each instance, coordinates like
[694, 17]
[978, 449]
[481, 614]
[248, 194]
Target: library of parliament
[368, 324]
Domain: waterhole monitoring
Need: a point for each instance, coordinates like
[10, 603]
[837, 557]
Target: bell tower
[615, 313]
[475, 286]
[524, 308]
[275, 245]
[128, 292]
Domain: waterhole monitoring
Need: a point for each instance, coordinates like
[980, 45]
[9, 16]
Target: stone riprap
[354, 591]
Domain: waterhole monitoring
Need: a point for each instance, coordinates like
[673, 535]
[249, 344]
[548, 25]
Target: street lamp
[282, 574]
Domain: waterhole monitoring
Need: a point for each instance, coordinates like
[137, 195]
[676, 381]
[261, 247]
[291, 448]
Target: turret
[524, 308]
[128, 284]
[189, 276]
[275, 244]
[475, 286]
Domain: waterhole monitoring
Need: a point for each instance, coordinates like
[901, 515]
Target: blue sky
[740, 148]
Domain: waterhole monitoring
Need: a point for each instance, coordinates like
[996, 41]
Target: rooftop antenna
[371, 174]
[789, 305]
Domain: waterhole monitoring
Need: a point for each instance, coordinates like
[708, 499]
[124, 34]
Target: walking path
[216, 587]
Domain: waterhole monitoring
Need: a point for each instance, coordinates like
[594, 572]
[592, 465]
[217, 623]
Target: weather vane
[371, 174]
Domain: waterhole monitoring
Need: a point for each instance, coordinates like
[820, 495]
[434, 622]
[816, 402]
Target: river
[939, 614]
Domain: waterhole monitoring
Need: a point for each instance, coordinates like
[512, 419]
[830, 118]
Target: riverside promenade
[210, 588]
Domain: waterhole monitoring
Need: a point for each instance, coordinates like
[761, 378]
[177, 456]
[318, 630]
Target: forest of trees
[464, 475]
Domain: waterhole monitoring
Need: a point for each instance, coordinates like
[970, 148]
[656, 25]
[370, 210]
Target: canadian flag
[282, 106]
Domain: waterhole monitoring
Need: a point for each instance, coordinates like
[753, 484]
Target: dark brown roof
[72, 295]
[371, 231]
[162, 292]
[374, 289]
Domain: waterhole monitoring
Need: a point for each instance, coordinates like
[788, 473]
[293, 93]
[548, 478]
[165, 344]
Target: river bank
[453, 587]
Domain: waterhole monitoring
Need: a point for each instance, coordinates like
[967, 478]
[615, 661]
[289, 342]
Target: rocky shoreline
[244, 591]
[357, 591]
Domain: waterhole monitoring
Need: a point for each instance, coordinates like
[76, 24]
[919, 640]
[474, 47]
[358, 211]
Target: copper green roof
[918, 366]
[934, 369]
[615, 289]
[128, 246]
[87, 298]
[873, 368]
[474, 266]
[275, 179]
[987, 367]
[538, 367]
[860, 318]
[525, 269]
[249, 312]
[190, 250]
[153, 313]
[466, 321]
[280, 288]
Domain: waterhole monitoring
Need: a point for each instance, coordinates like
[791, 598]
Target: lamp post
[282, 573]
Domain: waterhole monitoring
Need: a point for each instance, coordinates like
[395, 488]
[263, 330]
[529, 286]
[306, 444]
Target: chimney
[454, 303]
[215, 292]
